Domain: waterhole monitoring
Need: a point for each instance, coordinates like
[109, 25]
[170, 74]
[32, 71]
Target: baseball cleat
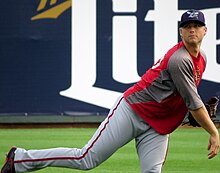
[8, 166]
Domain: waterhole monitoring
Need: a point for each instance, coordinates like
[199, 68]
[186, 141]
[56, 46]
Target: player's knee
[152, 169]
[88, 167]
[88, 164]
[90, 160]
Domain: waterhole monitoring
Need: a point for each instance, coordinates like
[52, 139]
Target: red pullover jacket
[167, 90]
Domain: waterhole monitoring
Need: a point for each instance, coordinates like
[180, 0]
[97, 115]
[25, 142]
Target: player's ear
[205, 28]
[180, 31]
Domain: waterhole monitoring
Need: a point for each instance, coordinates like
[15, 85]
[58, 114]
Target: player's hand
[213, 146]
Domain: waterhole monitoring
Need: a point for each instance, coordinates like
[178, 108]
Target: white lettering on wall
[165, 25]
[84, 57]
[125, 43]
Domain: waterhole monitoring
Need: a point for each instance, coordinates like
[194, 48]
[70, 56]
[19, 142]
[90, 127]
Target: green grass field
[187, 150]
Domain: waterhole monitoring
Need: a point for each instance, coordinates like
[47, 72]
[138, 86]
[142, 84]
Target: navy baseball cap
[192, 15]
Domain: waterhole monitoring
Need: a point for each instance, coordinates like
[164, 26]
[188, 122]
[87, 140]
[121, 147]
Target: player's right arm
[202, 117]
[181, 71]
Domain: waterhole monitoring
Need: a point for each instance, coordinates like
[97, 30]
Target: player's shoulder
[202, 52]
[179, 57]
[177, 52]
[180, 62]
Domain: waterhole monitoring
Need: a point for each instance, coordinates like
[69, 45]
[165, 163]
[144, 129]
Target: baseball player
[147, 112]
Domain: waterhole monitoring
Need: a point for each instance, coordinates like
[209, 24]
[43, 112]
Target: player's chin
[193, 41]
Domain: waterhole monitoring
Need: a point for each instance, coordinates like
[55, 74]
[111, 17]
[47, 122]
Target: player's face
[192, 33]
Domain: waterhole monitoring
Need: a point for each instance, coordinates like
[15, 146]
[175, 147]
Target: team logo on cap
[193, 14]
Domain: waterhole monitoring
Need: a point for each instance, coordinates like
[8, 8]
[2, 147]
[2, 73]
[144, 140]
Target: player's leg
[152, 149]
[115, 131]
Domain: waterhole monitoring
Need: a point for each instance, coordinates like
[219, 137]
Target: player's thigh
[114, 132]
[152, 149]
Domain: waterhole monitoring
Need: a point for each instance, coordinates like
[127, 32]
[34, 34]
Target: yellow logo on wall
[54, 11]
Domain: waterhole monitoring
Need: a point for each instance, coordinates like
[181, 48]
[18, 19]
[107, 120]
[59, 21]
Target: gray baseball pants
[120, 127]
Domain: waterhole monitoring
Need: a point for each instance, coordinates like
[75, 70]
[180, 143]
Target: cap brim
[197, 21]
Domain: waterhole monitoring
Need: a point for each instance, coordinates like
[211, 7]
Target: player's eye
[190, 25]
[197, 25]
[186, 26]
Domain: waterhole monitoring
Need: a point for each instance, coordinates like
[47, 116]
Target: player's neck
[193, 49]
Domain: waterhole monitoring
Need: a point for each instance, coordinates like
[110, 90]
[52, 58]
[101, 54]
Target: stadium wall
[68, 61]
